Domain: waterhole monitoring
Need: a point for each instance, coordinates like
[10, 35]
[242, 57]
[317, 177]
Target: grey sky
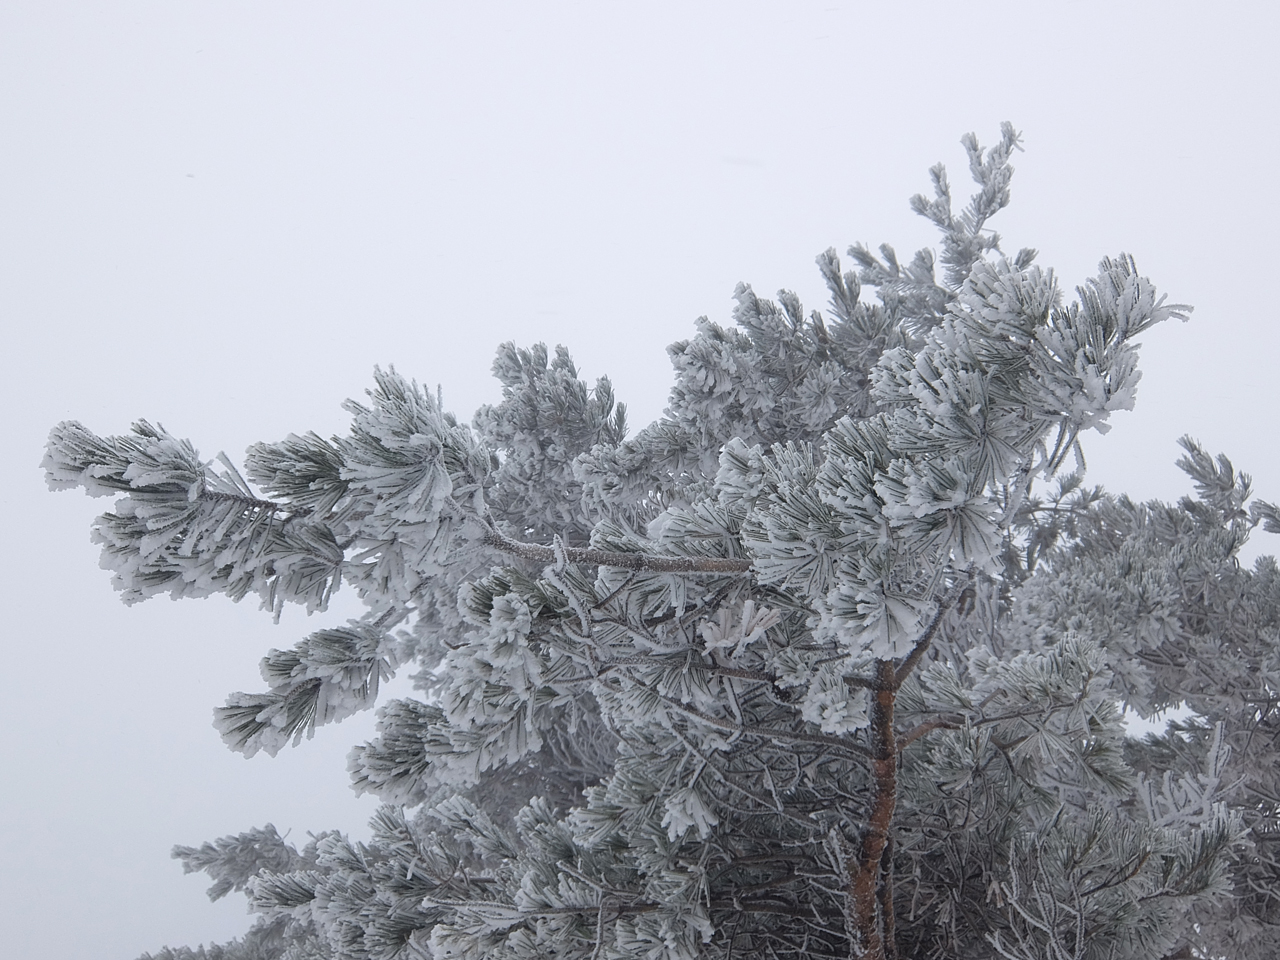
[222, 215]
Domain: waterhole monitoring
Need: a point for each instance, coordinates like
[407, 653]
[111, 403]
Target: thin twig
[920, 730]
[918, 651]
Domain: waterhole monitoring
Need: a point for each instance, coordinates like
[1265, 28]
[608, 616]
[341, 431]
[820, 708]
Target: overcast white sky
[222, 215]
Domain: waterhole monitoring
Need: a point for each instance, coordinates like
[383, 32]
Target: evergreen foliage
[830, 661]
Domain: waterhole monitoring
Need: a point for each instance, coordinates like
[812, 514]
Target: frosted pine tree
[828, 662]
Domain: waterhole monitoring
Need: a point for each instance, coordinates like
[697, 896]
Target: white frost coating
[685, 809]
[831, 704]
[734, 634]
[325, 678]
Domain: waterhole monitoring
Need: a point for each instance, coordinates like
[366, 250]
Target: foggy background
[220, 216]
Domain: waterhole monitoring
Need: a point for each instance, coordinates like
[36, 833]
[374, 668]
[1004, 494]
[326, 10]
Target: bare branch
[743, 674]
[918, 651]
[639, 562]
[918, 731]
[860, 682]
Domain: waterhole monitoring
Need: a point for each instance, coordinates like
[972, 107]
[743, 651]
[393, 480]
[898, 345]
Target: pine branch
[770, 733]
[918, 731]
[956, 593]
[639, 562]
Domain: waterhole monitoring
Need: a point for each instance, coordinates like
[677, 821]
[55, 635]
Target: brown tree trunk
[870, 892]
[873, 915]
[886, 902]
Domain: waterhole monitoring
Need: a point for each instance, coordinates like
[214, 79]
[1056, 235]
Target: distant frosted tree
[828, 662]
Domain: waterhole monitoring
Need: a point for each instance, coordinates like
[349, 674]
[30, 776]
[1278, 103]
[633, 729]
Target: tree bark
[870, 891]
[873, 914]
